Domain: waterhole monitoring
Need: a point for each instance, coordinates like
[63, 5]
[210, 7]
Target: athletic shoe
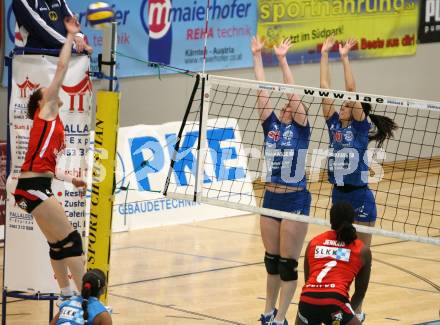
[276, 323]
[61, 299]
[266, 320]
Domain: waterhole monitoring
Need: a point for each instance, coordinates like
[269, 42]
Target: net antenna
[219, 158]
[205, 51]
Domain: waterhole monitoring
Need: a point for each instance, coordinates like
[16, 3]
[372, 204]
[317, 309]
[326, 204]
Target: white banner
[27, 264]
[3, 159]
[143, 162]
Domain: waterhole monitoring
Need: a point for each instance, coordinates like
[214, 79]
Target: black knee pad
[288, 269]
[68, 247]
[271, 262]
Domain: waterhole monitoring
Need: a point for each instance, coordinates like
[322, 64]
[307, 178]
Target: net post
[109, 48]
[201, 143]
[179, 135]
[51, 307]
[104, 163]
[4, 305]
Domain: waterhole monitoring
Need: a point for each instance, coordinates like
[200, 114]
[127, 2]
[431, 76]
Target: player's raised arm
[350, 84]
[299, 113]
[362, 278]
[51, 95]
[263, 96]
[327, 104]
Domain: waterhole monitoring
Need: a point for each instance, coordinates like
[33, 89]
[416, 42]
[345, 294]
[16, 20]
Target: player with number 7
[332, 261]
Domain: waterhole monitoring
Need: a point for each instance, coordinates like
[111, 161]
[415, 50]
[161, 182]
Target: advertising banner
[27, 264]
[429, 22]
[2, 36]
[3, 157]
[103, 177]
[144, 153]
[170, 32]
[382, 28]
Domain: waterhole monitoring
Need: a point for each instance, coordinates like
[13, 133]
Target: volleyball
[100, 15]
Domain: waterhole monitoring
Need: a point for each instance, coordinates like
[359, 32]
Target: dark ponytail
[36, 96]
[385, 126]
[85, 293]
[93, 282]
[341, 219]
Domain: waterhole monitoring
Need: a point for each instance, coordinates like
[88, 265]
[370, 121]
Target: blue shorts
[294, 202]
[362, 200]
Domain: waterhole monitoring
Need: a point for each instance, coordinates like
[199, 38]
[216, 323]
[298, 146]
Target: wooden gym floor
[211, 272]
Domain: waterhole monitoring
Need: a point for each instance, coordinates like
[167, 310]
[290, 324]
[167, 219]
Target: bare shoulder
[103, 319]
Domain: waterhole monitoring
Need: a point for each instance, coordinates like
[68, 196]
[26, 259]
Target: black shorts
[31, 192]
[329, 308]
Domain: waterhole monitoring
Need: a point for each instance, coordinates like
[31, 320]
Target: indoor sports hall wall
[148, 100]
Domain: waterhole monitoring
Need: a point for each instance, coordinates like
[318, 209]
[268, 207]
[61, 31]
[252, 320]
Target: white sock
[67, 291]
[269, 313]
[277, 322]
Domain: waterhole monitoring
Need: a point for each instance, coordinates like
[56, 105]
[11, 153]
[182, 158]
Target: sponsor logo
[158, 13]
[274, 135]
[337, 318]
[361, 213]
[348, 136]
[288, 135]
[22, 204]
[27, 87]
[394, 102]
[433, 106]
[77, 93]
[149, 158]
[155, 16]
[53, 16]
[338, 253]
[267, 87]
[338, 136]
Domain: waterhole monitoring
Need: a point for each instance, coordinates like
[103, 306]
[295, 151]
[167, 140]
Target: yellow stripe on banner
[104, 164]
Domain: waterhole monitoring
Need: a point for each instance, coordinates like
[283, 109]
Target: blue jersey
[71, 312]
[41, 22]
[347, 162]
[285, 151]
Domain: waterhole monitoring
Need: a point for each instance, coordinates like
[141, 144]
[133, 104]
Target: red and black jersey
[332, 264]
[46, 140]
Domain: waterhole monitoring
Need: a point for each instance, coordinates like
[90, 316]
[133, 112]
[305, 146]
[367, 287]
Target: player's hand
[344, 49]
[88, 49]
[328, 44]
[72, 25]
[256, 45]
[79, 183]
[80, 44]
[282, 49]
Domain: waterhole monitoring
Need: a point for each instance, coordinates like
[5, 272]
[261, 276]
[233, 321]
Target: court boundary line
[172, 307]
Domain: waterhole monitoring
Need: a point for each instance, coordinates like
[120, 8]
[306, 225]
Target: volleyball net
[219, 155]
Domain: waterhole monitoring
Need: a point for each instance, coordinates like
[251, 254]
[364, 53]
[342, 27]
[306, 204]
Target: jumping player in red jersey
[332, 260]
[33, 192]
